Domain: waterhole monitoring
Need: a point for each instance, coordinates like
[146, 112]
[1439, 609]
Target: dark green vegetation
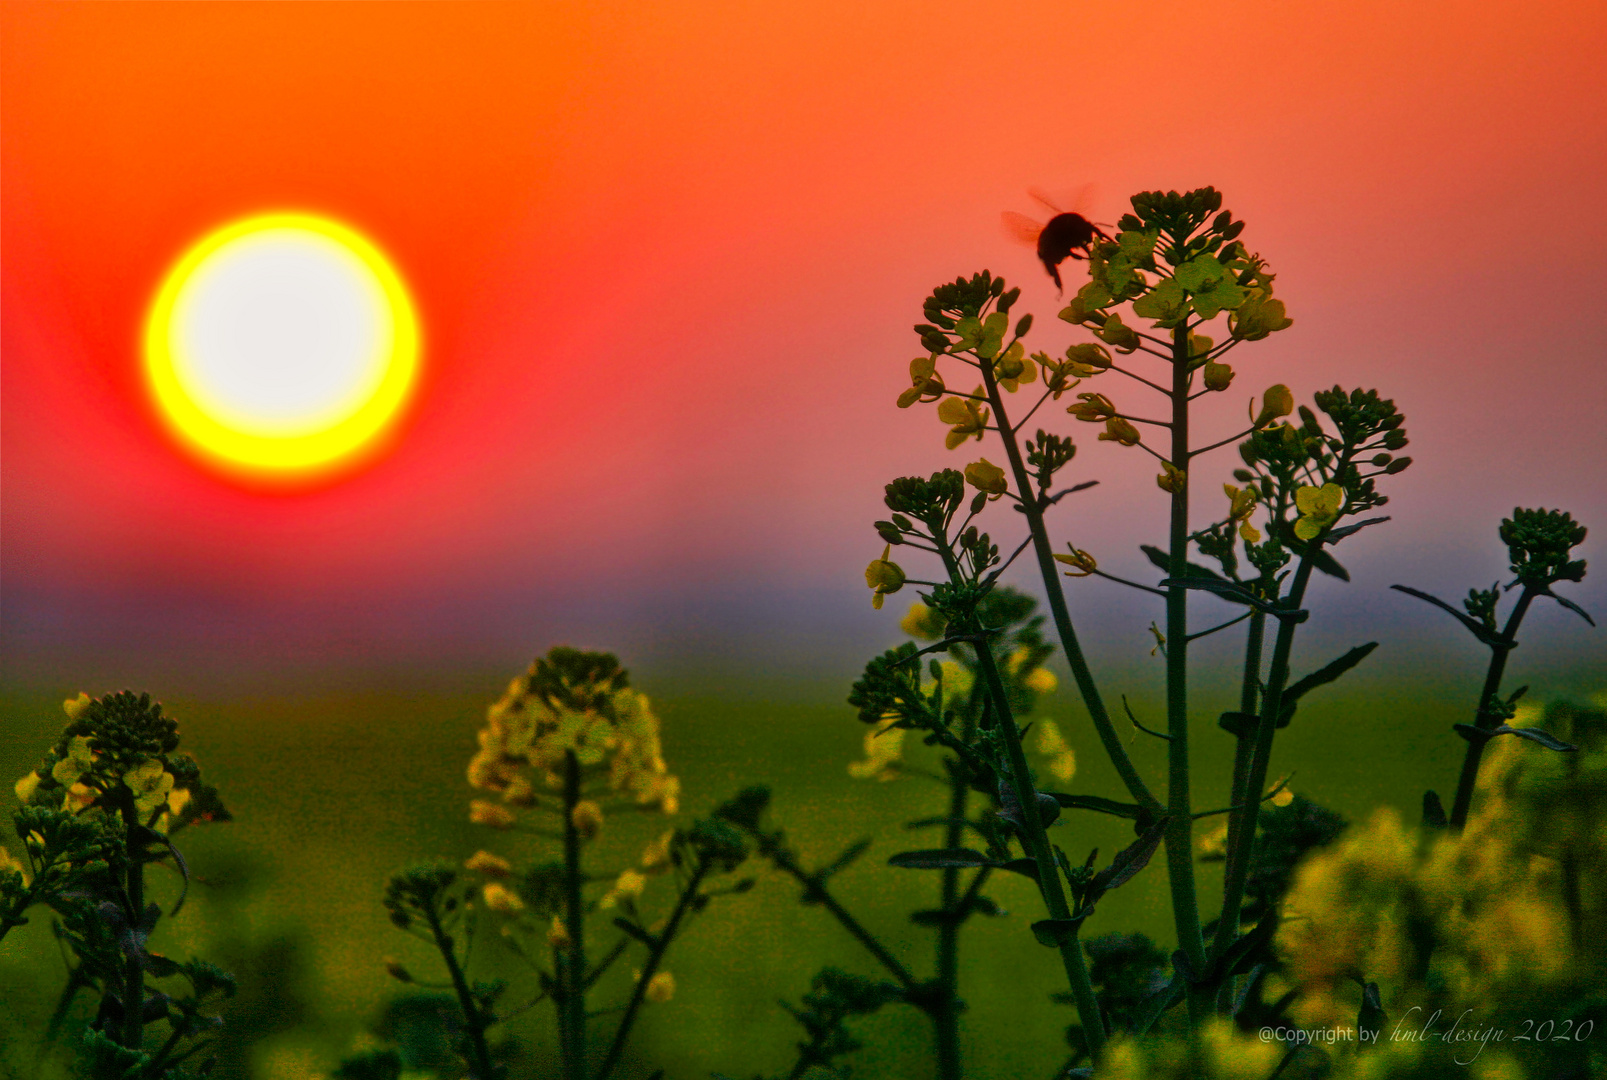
[333, 794]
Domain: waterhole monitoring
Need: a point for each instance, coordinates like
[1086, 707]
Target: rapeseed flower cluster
[1509, 910]
[116, 751]
[561, 707]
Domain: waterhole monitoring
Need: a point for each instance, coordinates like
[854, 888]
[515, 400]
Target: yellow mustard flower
[656, 856]
[957, 681]
[558, 934]
[79, 760]
[1087, 360]
[1160, 639]
[966, 416]
[1217, 377]
[1257, 317]
[984, 475]
[489, 813]
[925, 383]
[525, 731]
[1219, 1052]
[1053, 745]
[1085, 563]
[74, 707]
[10, 863]
[492, 866]
[1277, 401]
[628, 887]
[884, 577]
[1171, 479]
[587, 817]
[884, 752]
[1092, 408]
[79, 797]
[1214, 844]
[26, 787]
[923, 623]
[1241, 504]
[1119, 431]
[660, 988]
[150, 782]
[1015, 369]
[1319, 508]
[501, 899]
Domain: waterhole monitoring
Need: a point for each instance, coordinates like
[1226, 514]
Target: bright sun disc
[281, 346]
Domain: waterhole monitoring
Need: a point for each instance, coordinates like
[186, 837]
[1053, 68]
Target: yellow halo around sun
[281, 346]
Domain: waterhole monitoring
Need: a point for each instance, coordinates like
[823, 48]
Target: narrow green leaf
[1478, 629]
[1321, 677]
[1055, 932]
[939, 859]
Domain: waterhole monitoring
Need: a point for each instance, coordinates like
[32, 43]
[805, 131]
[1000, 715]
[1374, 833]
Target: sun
[282, 347]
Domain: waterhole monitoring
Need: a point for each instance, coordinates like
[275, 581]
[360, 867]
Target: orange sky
[667, 256]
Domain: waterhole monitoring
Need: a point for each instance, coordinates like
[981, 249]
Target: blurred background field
[334, 792]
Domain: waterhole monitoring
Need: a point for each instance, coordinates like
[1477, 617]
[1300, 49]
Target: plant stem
[1034, 839]
[1488, 718]
[655, 956]
[1037, 844]
[133, 1034]
[946, 1014]
[69, 991]
[473, 1020]
[1048, 570]
[1179, 808]
[1243, 750]
[815, 892]
[572, 977]
[1238, 867]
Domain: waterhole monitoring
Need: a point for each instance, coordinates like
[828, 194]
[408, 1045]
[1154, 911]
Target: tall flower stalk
[1177, 262]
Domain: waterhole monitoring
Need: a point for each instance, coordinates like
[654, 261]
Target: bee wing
[1068, 200]
[1046, 199]
[1021, 227]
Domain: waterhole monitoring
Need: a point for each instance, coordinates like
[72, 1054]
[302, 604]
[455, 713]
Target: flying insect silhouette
[1065, 236]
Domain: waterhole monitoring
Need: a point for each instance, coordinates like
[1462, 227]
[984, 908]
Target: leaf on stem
[940, 859]
[1478, 629]
[1545, 739]
[1321, 677]
[1238, 594]
[1570, 605]
[1335, 535]
[1056, 932]
[1163, 562]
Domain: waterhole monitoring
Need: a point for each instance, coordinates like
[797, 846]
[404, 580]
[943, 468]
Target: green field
[331, 794]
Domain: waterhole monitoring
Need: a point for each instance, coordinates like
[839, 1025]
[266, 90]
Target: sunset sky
[666, 258]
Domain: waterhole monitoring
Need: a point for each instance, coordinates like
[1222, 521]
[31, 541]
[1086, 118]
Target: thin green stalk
[655, 956]
[1488, 718]
[160, 1059]
[64, 1003]
[1037, 842]
[1049, 571]
[474, 1021]
[572, 976]
[946, 1014]
[1243, 750]
[815, 892]
[1034, 839]
[1238, 869]
[133, 1034]
[1179, 808]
